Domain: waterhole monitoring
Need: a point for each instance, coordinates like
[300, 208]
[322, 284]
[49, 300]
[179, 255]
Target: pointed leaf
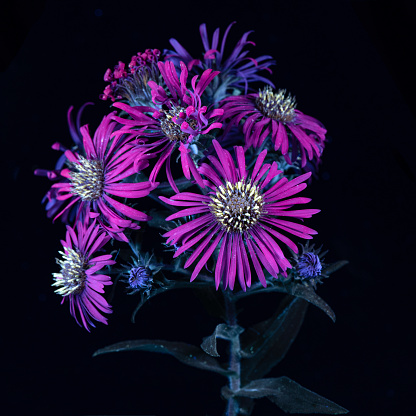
[290, 396]
[304, 292]
[223, 331]
[331, 268]
[267, 343]
[185, 353]
[309, 294]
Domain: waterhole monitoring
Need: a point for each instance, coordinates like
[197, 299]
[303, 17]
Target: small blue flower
[140, 278]
[309, 265]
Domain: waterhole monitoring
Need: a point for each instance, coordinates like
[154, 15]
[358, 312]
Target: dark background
[349, 65]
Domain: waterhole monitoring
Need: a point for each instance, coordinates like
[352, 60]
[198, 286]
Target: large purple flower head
[242, 214]
[78, 280]
[175, 121]
[91, 179]
[54, 205]
[237, 70]
[274, 113]
[131, 83]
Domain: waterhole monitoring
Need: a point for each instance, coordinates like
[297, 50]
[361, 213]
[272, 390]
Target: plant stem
[167, 185]
[234, 358]
[164, 204]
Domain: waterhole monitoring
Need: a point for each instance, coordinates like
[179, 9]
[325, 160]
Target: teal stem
[233, 407]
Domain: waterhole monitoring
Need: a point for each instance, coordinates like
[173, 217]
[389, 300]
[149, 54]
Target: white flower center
[237, 207]
[88, 181]
[276, 105]
[71, 278]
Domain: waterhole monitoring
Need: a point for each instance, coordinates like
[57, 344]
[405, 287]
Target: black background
[349, 65]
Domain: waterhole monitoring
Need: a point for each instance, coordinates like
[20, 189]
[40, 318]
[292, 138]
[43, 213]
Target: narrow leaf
[266, 344]
[290, 396]
[185, 353]
[333, 267]
[304, 292]
[309, 294]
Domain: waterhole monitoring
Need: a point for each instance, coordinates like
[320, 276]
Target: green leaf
[186, 353]
[265, 344]
[290, 396]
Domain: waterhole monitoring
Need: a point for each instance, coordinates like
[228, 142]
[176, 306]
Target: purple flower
[91, 179]
[131, 83]
[268, 113]
[242, 215]
[309, 265]
[53, 205]
[139, 278]
[237, 70]
[78, 280]
[175, 122]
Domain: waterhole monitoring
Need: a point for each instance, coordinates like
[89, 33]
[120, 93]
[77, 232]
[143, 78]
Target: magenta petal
[201, 247]
[189, 226]
[281, 237]
[178, 203]
[246, 264]
[239, 152]
[256, 262]
[223, 159]
[270, 263]
[232, 258]
[193, 241]
[220, 267]
[206, 256]
[259, 163]
[190, 196]
[240, 265]
[126, 210]
[169, 175]
[273, 172]
[188, 211]
[185, 161]
[208, 172]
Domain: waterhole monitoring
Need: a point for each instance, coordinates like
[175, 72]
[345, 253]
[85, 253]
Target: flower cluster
[237, 71]
[189, 135]
[130, 83]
